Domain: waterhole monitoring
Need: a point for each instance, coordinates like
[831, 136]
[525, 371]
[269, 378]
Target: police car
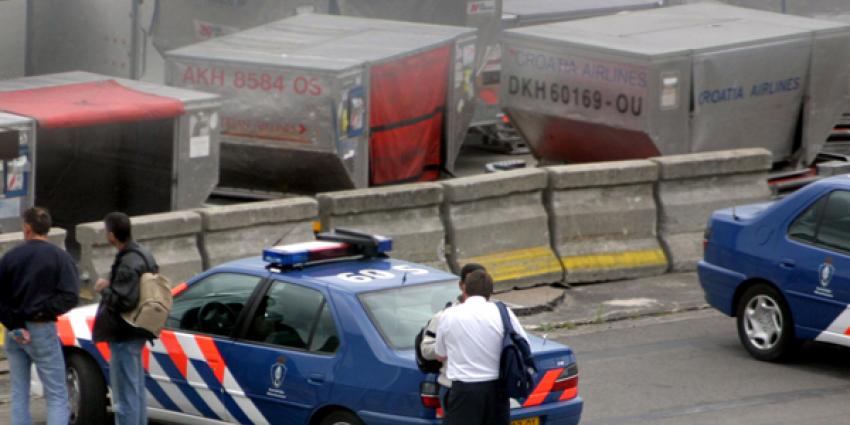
[313, 333]
[783, 268]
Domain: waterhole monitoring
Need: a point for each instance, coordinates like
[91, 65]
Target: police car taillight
[705, 237]
[567, 382]
[429, 393]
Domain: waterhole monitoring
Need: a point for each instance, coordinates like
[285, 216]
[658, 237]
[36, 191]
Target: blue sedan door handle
[316, 379]
[787, 264]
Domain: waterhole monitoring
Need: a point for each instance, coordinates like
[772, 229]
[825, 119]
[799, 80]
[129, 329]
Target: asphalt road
[689, 368]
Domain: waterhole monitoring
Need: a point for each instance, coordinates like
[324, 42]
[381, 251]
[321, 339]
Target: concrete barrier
[13, 239]
[604, 220]
[172, 238]
[498, 220]
[692, 186]
[243, 230]
[410, 214]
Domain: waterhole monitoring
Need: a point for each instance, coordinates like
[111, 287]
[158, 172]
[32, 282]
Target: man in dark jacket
[120, 294]
[38, 282]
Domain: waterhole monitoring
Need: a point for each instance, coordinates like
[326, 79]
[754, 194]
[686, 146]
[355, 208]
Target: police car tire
[92, 391]
[784, 348]
[341, 417]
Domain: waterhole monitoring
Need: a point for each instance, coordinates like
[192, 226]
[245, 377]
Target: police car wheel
[86, 391]
[764, 324]
[341, 418]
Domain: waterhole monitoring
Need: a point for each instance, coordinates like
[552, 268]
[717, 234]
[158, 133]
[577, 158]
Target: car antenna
[404, 278]
[734, 214]
[284, 236]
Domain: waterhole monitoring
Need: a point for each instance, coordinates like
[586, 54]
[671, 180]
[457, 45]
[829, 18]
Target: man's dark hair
[479, 283]
[118, 224]
[39, 220]
[469, 268]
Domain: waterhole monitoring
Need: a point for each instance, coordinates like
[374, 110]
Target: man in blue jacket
[38, 282]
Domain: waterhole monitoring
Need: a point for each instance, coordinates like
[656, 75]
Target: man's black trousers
[477, 403]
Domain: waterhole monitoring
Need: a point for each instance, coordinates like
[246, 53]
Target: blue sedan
[316, 333]
[783, 268]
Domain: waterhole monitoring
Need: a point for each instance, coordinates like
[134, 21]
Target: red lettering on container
[203, 76]
[247, 80]
[256, 129]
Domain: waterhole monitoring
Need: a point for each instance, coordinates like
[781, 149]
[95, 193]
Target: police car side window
[834, 227]
[213, 304]
[804, 226]
[325, 339]
[287, 316]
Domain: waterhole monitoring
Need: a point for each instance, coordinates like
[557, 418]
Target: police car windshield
[399, 313]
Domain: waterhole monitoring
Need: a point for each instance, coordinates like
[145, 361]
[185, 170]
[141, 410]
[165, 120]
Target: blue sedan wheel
[764, 323]
[341, 418]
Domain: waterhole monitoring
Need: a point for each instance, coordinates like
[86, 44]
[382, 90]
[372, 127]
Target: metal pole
[134, 58]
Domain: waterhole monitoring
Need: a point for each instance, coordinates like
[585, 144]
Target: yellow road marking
[518, 264]
[617, 260]
[528, 262]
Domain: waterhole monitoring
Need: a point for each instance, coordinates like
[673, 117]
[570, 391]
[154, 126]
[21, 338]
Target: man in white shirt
[429, 338]
[469, 339]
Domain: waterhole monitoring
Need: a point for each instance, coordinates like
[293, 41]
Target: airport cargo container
[317, 102]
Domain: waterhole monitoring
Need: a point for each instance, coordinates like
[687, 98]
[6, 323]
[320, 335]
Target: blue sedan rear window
[399, 313]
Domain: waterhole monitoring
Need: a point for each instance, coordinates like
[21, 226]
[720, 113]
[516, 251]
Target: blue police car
[314, 333]
[783, 268]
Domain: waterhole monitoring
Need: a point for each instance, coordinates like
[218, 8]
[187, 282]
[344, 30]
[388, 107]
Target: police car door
[818, 264]
[289, 347]
[192, 363]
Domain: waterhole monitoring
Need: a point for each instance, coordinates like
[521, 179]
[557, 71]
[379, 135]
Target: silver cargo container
[302, 102]
[107, 144]
[12, 37]
[675, 80]
[521, 13]
[102, 36]
[824, 9]
[483, 15]
[17, 159]
[184, 22]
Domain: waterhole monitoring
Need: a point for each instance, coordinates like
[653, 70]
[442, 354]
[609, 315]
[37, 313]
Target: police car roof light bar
[340, 244]
[368, 245]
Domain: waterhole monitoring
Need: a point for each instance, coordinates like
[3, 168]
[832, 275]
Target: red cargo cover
[408, 104]
[86, 104]
[577, 141]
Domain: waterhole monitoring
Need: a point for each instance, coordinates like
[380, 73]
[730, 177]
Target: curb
[616, 316]
[522, 311]
[534, 300]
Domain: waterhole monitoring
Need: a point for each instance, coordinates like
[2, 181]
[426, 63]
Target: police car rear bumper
[719, 285]
[558, 413]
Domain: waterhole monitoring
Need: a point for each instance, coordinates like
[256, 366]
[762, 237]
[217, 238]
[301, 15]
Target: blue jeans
[45, 351]
[127, 380]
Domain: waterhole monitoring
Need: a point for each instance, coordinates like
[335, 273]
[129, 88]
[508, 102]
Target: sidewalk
[548, 307]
